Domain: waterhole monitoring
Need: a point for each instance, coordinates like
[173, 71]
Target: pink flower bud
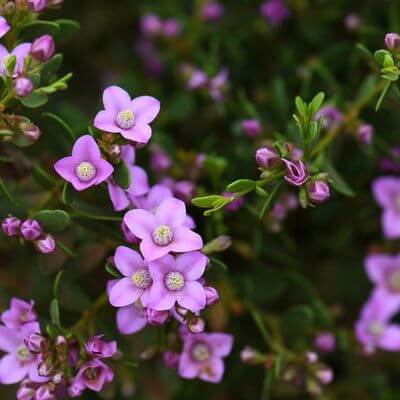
[23, 87]
[155, 317]
[43, 48]
[212, 295]
[392, 41]
[26, 391]
[37, 5]
[46, 245]
[197, 326]
[45, 392]
[325, 375]
[150, 24]
[98, 348]
[11, 226]
[30, 131]
[318, 191]
[171, 359]
[252, 127]
[267, 157]
[171, 28]
[212, 11]
[31, 229]
[248, 355]
[325, 342]
[296, 172]
[35, 343]
[311, 357]
[365, 134]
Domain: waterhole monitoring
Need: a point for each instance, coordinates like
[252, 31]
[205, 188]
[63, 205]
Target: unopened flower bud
[46, 245]
[35, 343]
[155, 317]
[318, 191]
[296, 172]
[248, 355]
[365, 134]
[37, 5]
[311, 357]
[31, 229]
[325, 375]
[30, 131]
[267, 157]
[43, 48]
[23, 87]
[171, 359]
[45, 392]
[212, 295]
[11, 226]
[220, 243]
[114, 150]
[197, 326]
[325, 342]
[26, 391]
[392, 41]
[251, 127]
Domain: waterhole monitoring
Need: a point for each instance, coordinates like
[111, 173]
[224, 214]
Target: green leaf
[268, 202]
[68, 194]
[56, 284]
[60, 122]
[241, 186]
[301, 107]
[122, 175]
[11, 62]
[34, 100]
[67, 29]
[52, 331]
[53, 220]
[316, 103]
[381, 55]
[297, 322]
[219, 263]
[112, 271]
[205, 201]
[38, 28]
[337, 181]
[41, 177]
[55, 312]
[53, 65]
[6, 193]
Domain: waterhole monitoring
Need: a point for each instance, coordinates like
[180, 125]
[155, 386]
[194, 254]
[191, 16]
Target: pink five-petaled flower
[85, 167]
[19, 362]
[93, 375]
[175, 280]
[98, 348]
[19, 313]
[136, 282]
[139, 186]
[130, 118]
[4, 26]
[202, 356]
[20, 52]
[374, 329]
[384, 272]
[164, 231]
[386, 191]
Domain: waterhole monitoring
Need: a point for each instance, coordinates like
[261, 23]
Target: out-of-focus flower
[184, 190]
[219, 85]
[19, 313]
[164, 231]
[160, 160]
[175, 280]
[37, 5]
[267, 157]
[171, 28]
[392, 41]
[374, 329]
[251, 127]
[352, 22]
[122, 198]
[131, 319]
[212, 295]
[4, 26]
[331, 115]
[275, 11]
[171, 359]
[212, 11]
[296, 172]
[136, 282]
[11, 226]
[85, 167]
[386, 191]
[234, 205]
[46, 245]
[20, 52]
[23, 87]
[365, 134]
[150, 24]
[31, 230]
[318, 191]
[93, 375]
[98, 348]
[31, 131]
[130, 118]
[196, 78]
[325, 375]
[43, 48]
[202, 356]
[325, 342]
[391, 164]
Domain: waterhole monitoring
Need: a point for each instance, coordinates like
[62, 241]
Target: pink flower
[325, 342]
[331, 116]
[20, 52]
[85, 167]
[212, 11]
[384, 272]
[171, 28]
[386, 191]
[150, 24]
[11, 226]
[131, 319]
[251, 127]
[365, 134]
[175, 280]
[19, 313]
[164, 231]
[93, 375]
[275, 11]
[374, 329]
[136, 283]
[219, 84]
[202, 356]
[130, 118]
[318, 191]
[4, 26]
[19, 362]
[296, 172]
[139, 186]
[98, 348]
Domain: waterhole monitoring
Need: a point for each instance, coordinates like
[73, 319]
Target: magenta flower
[131, 319]
[93, 375]
[251, 127]
[20, 52]
[374, 329]
[386, 191]
[136, 283]
[150, 24]
[98, 348]
[164, 231]
[296, 172]
[130, 118]
[212, 11]
[275, 11]
[219, 84]
[85, 167]
[175, 280]
[120, 197]
[4, 26]
[19, 313]
[19, 362]
[202, 356]
[171, 28]
[384, 272]
[325, 342]
[197, 79]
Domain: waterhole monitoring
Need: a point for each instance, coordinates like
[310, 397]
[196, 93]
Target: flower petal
[105, 121]
[171, 212]
[185, 240]
[192, 265]
[192, 296]
[391, 224]
[8, 341]
[140, 133]
[151, 251]
[145, 109]
[124, 293]
[131, 319]
[221, 342]
[116, 99]
[141, 223]
[11, 370]
[160, 267]
[214, 372]
[187, 368]
[127, 261]
[118, 196]
[377, 266]
[86, 149]
[139, 182]
[160, 298]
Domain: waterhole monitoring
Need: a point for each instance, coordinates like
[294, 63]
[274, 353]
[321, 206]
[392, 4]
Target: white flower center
[142, 279]
[23, 353]
[394, 280]
[163, 235]
[125, 119]
[376, 328]
[200, 352]
[85, 171]
[174, 281]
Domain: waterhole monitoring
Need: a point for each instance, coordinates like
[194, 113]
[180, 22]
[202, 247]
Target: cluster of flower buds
[31, 231]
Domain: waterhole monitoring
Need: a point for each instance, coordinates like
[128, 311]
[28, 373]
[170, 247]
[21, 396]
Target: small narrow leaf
[122, 175]
[53, 220]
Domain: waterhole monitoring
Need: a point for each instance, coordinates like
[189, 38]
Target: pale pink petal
[214, 372]
[222, 343]
[390, 340]
[187, 368]
[386, 189]
[151, 251]
[160, 298]
[185, 240]
[118, 196]
[116, 99]
[157, 194]
[127, 261]
[128, 154]
[105, 121]
[86, 149]
[140, 133]
[192, 265]
[130, 320]
[9, 342]
[145, 109]
[391, 224]
[139, 182]
[377, 266]
[141, 223]
[65, 167]
[103, 171]
[124, 293]
[192, 296]
[171, 212]
[160, 267]
[11, 370]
